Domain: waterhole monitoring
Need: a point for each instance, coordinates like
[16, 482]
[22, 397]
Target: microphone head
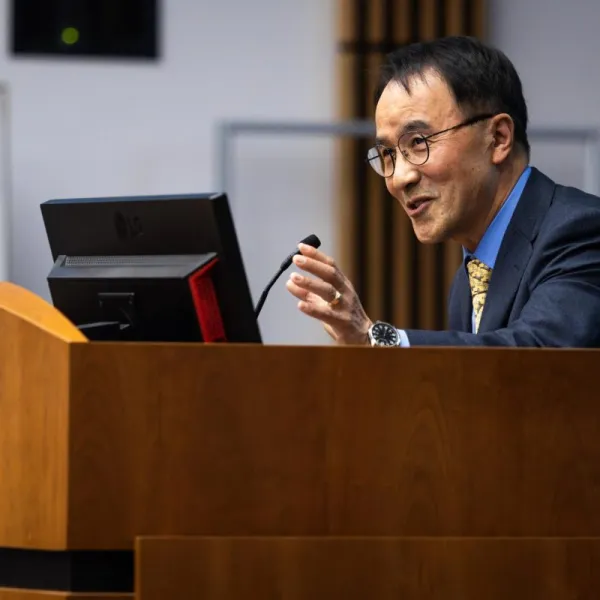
[311, 240]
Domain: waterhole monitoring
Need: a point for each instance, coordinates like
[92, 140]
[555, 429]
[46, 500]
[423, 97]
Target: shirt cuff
[404, 343]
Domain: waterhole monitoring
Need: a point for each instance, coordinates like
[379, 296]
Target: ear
[503, 137]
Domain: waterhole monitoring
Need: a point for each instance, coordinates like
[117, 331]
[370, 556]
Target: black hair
[480, 77]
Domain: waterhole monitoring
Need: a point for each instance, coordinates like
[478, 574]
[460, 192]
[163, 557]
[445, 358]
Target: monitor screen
[150, 268]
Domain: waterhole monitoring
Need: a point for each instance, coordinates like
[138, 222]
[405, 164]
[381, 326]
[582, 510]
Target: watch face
[385, 335]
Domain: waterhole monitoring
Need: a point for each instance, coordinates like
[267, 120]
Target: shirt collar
[488, 247]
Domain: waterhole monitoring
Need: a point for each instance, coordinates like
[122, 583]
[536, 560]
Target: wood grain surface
[240, 440]
[35, 344]
[378, 568]
[19, 302]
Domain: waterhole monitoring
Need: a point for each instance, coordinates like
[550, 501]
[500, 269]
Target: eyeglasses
[413, 146]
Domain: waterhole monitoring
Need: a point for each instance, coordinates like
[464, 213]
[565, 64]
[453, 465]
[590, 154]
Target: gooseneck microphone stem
[266, 291]
[311, 240]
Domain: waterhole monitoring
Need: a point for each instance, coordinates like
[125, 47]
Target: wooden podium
[178, 471]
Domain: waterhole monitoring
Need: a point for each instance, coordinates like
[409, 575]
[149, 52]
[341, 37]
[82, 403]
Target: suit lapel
[460, 307]
[505, 280]
[515, 250]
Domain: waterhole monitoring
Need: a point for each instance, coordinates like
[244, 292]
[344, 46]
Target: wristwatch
[384, 334]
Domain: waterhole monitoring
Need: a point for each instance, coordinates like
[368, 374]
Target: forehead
[430, 102]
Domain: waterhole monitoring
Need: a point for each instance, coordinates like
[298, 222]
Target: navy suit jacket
[545, 287]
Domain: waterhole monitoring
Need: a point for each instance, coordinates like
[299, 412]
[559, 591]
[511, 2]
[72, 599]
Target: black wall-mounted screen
[99, 28]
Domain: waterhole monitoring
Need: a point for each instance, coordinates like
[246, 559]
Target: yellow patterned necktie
[479, 280]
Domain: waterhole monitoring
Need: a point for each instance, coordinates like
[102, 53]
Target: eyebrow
[415, 125]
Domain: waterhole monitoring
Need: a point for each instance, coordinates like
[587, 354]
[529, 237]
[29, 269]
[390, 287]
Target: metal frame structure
[229, 131]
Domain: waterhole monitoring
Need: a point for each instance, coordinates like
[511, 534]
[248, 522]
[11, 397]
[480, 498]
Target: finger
[304, 294]
[312, 252]
[322, 311]
[317, 286]
[327, 273]
[314, 306]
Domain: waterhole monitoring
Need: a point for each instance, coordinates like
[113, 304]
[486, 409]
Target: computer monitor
[150, 268]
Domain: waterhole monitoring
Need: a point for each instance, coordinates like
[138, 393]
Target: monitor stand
[105, 331]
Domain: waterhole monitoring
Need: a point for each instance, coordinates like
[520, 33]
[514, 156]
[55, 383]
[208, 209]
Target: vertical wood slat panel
[455, 9]
[345, 22]
[452, 251]
[402, 230]
[405, 300]
[360, 174]
[375, 14]
[427, 289]
[479, 19]
[344, 193]
[376, 275]
[422, 274]
[389, 263]
[375, 199]
[428, 19]
[402, 22]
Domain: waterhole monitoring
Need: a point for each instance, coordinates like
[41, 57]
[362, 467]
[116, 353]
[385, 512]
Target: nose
[405, 176]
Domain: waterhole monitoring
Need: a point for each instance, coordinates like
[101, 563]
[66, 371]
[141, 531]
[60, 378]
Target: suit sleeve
[563, 309]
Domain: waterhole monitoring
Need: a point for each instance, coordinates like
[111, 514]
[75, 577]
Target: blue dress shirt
[487, 250]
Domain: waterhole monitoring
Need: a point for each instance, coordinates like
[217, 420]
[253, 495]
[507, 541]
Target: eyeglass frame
[425, 138]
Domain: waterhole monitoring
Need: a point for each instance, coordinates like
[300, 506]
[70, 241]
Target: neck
[508, 176]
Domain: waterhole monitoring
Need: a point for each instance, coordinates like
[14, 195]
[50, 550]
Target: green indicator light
[69, 36]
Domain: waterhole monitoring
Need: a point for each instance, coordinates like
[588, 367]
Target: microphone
[311, 240]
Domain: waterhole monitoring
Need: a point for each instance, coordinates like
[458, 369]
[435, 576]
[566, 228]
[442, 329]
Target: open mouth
[417, 206]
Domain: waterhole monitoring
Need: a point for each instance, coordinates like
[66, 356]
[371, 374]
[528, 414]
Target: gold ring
[337, 298]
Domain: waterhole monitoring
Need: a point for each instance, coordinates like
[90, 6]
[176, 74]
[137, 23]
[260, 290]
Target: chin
[427, 236]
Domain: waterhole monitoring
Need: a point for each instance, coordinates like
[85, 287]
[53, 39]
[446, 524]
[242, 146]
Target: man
[451, 125]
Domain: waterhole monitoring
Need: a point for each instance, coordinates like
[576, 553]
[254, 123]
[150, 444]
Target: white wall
[555, 46]
[88, 128]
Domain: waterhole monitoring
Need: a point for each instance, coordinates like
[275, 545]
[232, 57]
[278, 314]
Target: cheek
[448, 180]
[452, 177]
[444, 167]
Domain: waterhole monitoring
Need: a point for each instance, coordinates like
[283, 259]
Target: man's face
[451, 195]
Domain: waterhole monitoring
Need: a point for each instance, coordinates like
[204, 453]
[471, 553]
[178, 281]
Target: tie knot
[479, 274]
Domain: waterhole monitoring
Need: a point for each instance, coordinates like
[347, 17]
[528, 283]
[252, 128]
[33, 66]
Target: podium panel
[382, 568]
[237, 440]
[35, 342]
[451, 452]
